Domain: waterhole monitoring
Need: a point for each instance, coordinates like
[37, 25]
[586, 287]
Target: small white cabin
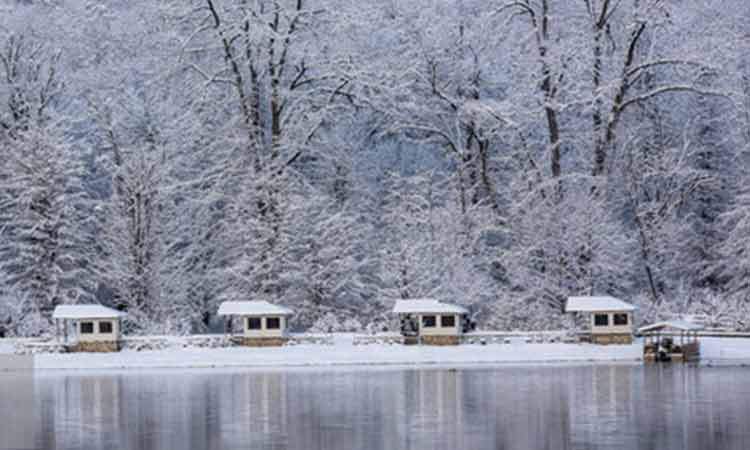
[610, 319]
[430, 321]
[263, 323]
[95, 328]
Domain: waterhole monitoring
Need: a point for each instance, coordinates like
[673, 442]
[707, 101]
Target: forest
[161, 157]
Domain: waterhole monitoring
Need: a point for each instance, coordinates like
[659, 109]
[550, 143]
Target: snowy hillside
[160, 157]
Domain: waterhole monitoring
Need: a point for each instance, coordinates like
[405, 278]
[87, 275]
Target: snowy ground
[342, 353]
[724, 349]
[6, 346]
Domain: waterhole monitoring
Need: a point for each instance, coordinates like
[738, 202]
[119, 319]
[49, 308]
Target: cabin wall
[441, 340]
[95, 347]
[439, 330]
[96, 336]
[611, 328]
[245, 341]
[264, 332]
[612, 339]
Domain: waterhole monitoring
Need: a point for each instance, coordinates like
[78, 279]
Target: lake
[547, 407]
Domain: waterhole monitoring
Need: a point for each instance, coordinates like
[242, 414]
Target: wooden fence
[33, 346]
[477, 337]
[309, 338]
[379, 338]
[515, 337]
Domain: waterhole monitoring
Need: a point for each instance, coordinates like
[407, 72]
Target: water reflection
[18, 420]
[617, 407]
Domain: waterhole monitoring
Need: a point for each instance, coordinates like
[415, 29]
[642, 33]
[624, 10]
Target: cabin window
[621, 319]
[105, 327]
[253, 323]
[448, 321]
[601, 320]
[273, 323]
[429, 321]
[87, 327]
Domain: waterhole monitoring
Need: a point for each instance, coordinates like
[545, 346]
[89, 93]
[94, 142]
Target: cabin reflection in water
[94, 401]
[433, 411]
[255, 409]
[602, 400]
[149, 411]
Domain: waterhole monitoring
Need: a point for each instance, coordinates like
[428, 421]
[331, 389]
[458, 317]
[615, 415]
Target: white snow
[253, 308]
[7, 346]
[592, 304]
[718, 349]
[421, 306]
[681, 325]
[86, 312]
[342, 353]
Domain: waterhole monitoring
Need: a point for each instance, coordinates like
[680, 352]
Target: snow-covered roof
[592, 304]
[420, 306]
[253, 308]
[681, 325]
[86, 312]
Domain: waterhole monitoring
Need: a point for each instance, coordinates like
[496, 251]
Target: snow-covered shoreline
[343, 354]
[7, 346]
[724, 349]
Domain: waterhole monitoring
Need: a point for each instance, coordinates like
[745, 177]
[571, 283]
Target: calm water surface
[593, 407]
